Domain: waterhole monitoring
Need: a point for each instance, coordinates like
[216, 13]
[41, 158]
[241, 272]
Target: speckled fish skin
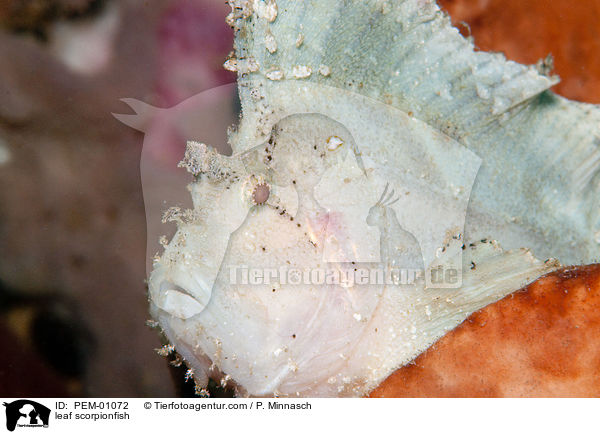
[413, 105]
[414, 60]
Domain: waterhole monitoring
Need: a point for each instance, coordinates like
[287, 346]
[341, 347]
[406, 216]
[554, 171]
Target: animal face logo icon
[311, 169]
[26, 413]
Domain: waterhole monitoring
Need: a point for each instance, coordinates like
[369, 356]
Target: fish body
[309, 290]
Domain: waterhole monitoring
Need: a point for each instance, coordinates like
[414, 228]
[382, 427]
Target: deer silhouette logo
[398, 247]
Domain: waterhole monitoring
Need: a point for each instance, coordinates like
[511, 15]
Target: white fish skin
[474, 147]
[535, 146]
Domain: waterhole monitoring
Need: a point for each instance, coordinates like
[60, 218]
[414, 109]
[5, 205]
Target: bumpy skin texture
[512, 122]
[542, 341]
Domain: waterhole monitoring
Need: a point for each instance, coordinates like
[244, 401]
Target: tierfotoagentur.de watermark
[343, 275]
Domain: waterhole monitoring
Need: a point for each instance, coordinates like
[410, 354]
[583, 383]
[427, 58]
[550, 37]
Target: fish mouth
[168, 293]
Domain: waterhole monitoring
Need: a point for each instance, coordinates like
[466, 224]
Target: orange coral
[542, 341]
